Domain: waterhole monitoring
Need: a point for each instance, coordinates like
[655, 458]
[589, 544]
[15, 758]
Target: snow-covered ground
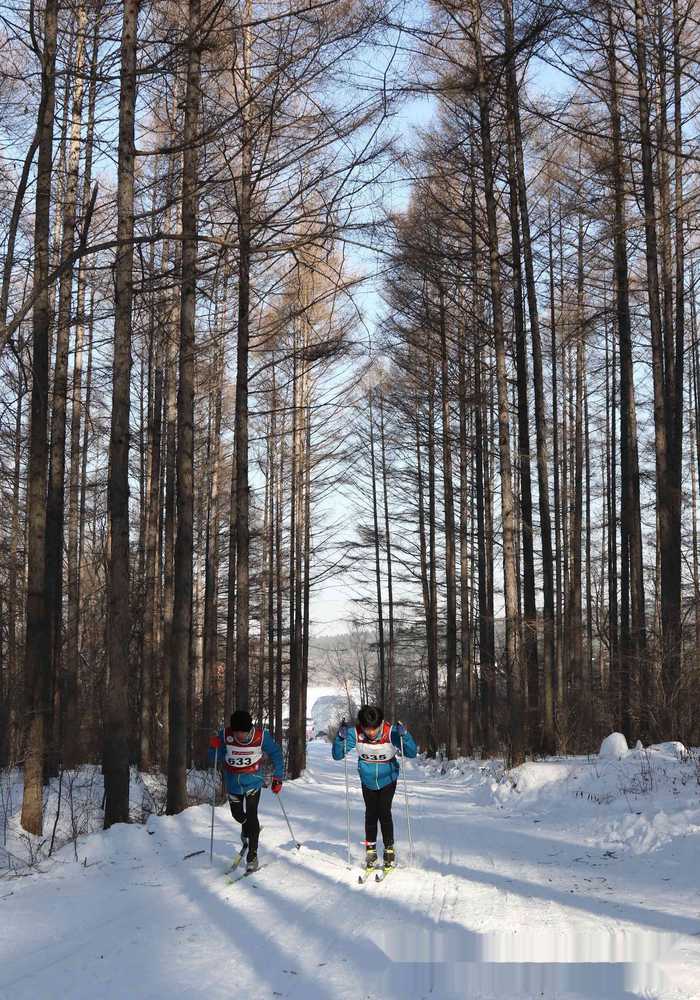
[574, 877]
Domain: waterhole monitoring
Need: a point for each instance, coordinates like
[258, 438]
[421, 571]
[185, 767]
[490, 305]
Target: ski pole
[408, 813]
[296, 842]
[213, 804]
[347, 788]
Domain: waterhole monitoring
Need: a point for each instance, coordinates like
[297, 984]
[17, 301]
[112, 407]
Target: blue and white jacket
[242, 762]
[377, 765]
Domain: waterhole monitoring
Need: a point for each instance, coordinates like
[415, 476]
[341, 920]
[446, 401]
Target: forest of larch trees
[397, 298]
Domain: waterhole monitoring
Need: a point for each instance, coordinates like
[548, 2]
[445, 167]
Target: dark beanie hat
[370, 715]
[241, 721]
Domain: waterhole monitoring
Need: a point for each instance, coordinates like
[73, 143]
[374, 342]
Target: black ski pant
[378, 810]
[244, 809]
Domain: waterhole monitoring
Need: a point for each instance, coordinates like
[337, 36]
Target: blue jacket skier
[378, 743]
[240, 748]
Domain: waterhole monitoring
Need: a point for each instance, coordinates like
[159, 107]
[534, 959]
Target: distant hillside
[333, 656]
[328, 710]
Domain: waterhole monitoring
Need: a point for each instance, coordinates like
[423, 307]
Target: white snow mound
[613, 747]
[639, 801]
[674, 747]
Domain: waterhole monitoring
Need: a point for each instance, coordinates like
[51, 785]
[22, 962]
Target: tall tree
[197, 29]
[665, 365]
[512, 658]
[71, 719]
[116, 739]
[36, 662]
[244, 193]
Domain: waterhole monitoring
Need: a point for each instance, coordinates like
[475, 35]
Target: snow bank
[535, 783]
[637, 802]
[73, 812]
[673, 747]
[478, 777]
[643, 833]
[632, 799]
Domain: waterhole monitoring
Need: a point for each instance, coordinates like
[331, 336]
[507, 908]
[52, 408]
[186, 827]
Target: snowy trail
[499, 904]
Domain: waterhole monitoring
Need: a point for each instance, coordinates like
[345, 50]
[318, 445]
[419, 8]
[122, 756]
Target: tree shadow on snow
[561, 856]
[644, 916]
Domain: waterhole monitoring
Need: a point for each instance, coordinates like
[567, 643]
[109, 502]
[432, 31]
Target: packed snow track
[505, 899]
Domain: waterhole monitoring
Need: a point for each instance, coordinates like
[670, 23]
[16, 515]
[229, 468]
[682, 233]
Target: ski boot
[252, 864]
[370, 855]
[389, 857]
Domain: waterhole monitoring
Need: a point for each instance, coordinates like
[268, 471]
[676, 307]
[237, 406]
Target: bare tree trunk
[55, 504]
[450, 545]
[695, 462]
[668, 503]
[145, 404]
[466, 561]
[534, 735]
[617, 674]
[230, 667]
[676, 388]
[87, 409]
[484, 552]
[558, 664]
[279, 725]
[391, 652]
[211, 584]
[486, 623]
[263, 602]
[156, 458]
[36, 662]
[548, 738]
[72, 748]
[512, 659]
[377, 562]
[170, 426]
[696, 564]
[589, 683]
[433, 677]
[194, 685]
[574, 603]
[152, 571]
[297, 722]
[294, 667]
[16, 581]
[116, 730]
[307, 569]
[242, 692]
[270, 581]
[566, 490]
[182, 602]
[429, 638]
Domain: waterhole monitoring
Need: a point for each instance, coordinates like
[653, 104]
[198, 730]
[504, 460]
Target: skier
[378, 743]
[240, 747]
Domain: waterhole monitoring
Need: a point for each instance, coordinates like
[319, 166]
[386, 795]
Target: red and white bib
[243, 758]
[378, 751]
